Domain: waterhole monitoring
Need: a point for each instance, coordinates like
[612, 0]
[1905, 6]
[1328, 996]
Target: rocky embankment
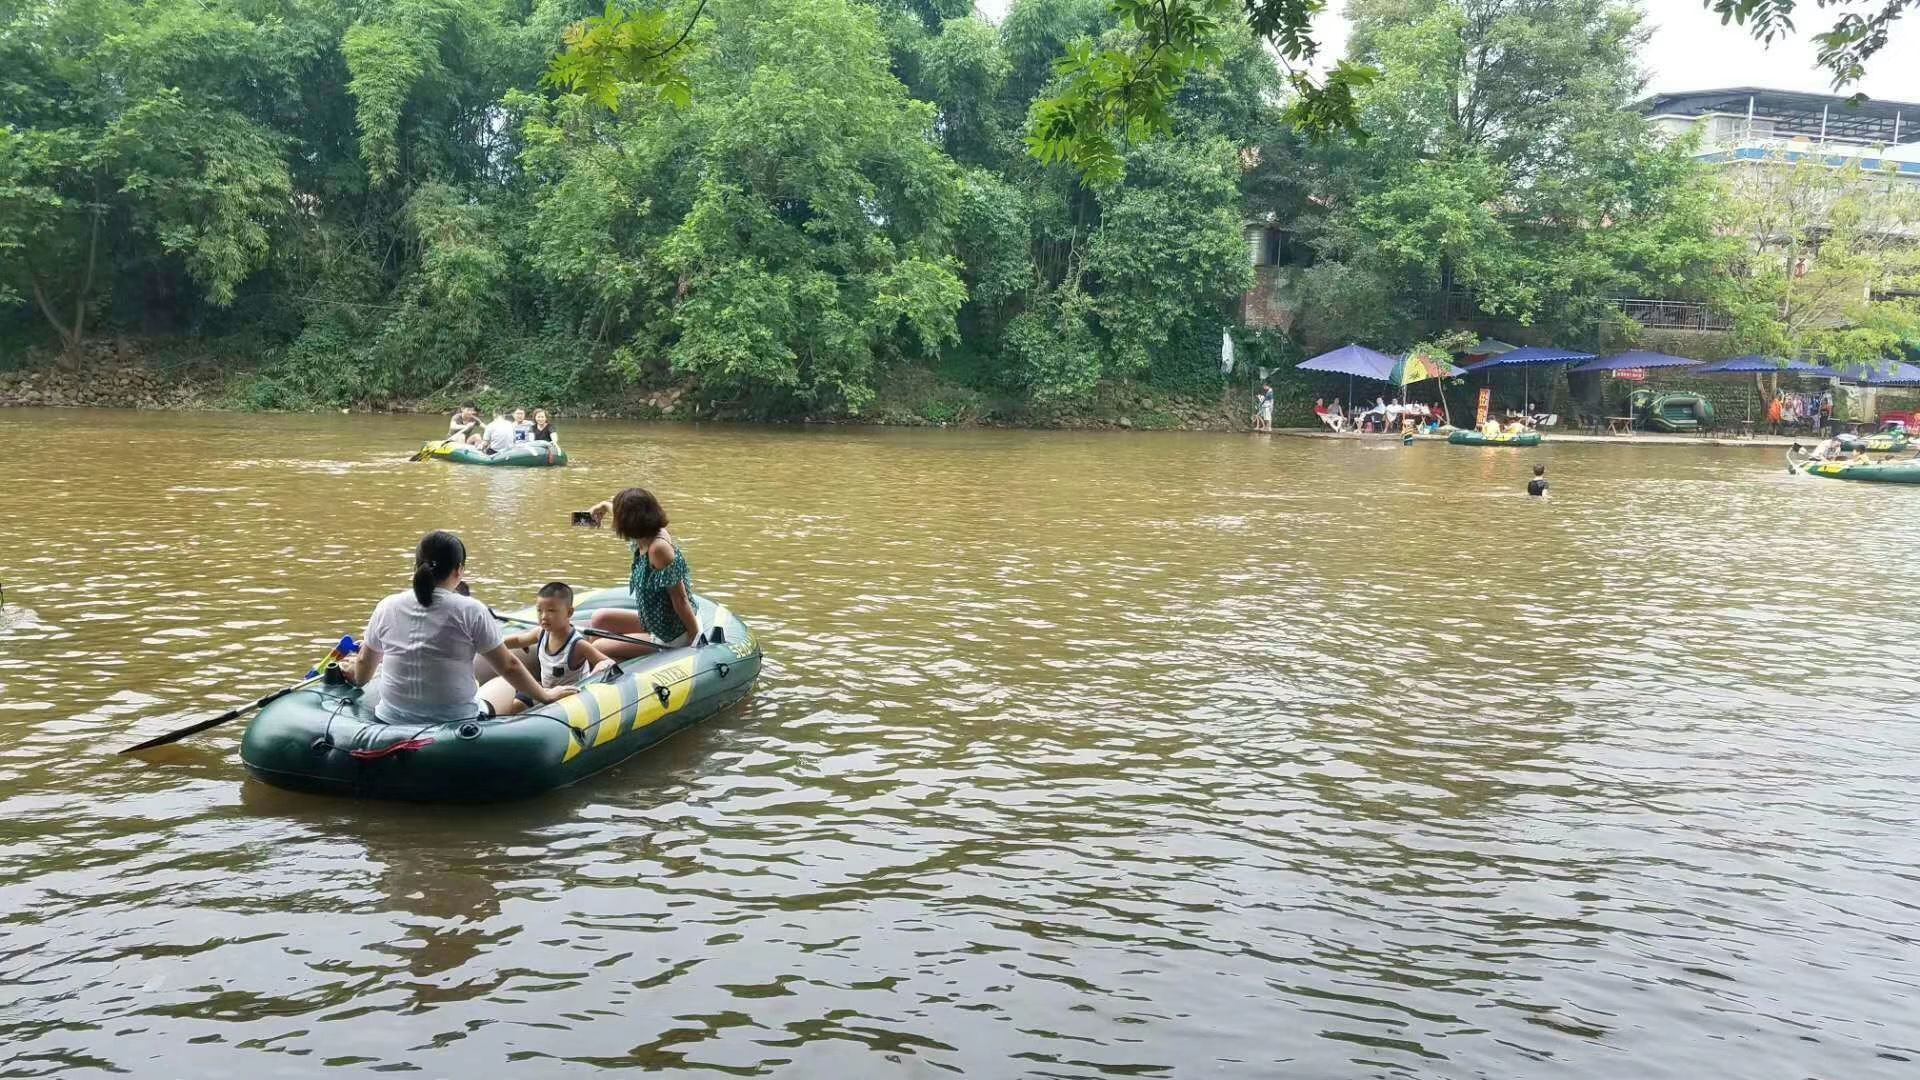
[108, 376]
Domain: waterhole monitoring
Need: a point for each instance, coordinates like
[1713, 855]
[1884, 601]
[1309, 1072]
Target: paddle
[712, 635]
[347, 647]
[427, 450]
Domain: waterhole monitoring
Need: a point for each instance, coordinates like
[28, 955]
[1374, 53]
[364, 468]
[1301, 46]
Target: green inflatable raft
[526, 455]
[325, 738]
[1888, 472]
[1674, 413]
[1464, 437]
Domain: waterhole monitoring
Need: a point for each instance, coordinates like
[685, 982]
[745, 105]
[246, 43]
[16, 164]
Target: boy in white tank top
[562, 656]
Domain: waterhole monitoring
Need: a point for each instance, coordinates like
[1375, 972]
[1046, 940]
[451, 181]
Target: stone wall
[1269, 305]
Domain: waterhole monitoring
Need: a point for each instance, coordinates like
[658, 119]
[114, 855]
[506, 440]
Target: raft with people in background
[1867, 471]
[519, 442]
[324, 737]
[1464, 437]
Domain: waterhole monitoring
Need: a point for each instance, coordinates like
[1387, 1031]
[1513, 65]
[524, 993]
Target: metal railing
[1672, 314]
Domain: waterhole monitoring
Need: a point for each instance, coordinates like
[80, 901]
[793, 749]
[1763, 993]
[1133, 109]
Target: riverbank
[129, 374]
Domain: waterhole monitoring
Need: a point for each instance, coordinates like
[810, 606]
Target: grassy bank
[166, 373]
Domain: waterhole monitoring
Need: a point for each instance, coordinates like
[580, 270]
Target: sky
[1690, 50]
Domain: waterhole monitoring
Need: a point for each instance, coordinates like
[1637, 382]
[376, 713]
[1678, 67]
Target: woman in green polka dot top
[660, 580]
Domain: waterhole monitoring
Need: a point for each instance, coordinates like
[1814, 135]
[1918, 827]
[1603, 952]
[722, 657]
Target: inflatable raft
[1888, 472]
[1677, 413]
[526, 455]
[325, 739]
[1464, 437]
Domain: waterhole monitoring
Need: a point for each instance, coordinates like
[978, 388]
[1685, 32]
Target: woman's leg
[499, 694]
[619, 622]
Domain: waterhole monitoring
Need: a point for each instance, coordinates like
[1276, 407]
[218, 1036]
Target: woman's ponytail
[439, 555]
[423, 585]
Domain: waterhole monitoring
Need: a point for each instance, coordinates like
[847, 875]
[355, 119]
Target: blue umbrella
[1629, 361]
[1885, 373]
[1762, 365]
[1525, 358]
[1528, 355]
[1633, 360]
[1356, 360]
[1740, 365]
[1353, 361]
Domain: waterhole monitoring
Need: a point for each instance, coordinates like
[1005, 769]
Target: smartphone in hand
[584, 518]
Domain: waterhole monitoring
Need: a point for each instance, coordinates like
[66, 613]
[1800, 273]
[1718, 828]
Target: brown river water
[1076, 755]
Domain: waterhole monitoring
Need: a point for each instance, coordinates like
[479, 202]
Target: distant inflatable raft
[1901, 472]
[1475, 438]
[325, 739]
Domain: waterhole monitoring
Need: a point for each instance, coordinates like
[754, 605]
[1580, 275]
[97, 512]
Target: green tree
[799, 237]
[1830, 269]
[1504, 164]
[1845, 47]
[114, 156]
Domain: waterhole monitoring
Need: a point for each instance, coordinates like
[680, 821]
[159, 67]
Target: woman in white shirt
[426, 638]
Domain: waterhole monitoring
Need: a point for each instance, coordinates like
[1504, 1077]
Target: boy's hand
[559, 692]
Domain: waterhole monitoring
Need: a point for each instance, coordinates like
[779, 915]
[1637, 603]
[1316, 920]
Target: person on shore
[543, 428]
[562, 656]
[500, 433]
[1263, 408]
[1537, 487]
[426, 637]
[1826, 409]
[660, 579]
[1773, 415]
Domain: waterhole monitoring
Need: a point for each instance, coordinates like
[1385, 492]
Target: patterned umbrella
[1419, 367]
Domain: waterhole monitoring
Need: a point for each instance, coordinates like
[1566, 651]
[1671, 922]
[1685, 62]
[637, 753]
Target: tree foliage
[1829, 270]
[1844, 48]
[1506, 173]
[781, 205]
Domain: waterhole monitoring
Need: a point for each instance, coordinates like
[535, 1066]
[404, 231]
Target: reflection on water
[1076, 756]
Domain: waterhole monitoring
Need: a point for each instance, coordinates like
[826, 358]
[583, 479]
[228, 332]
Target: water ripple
[1075, 756]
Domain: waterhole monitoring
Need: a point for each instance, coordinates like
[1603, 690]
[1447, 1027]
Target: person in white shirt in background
[500, 433]
[425, 639]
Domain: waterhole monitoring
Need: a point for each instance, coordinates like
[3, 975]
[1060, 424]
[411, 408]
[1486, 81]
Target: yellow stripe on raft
[609, 704]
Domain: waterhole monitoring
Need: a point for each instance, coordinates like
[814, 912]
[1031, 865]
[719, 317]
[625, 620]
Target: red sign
[1631, 374]
[1486, 399]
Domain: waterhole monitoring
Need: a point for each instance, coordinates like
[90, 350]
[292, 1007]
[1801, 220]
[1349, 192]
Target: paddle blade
[346, 648]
